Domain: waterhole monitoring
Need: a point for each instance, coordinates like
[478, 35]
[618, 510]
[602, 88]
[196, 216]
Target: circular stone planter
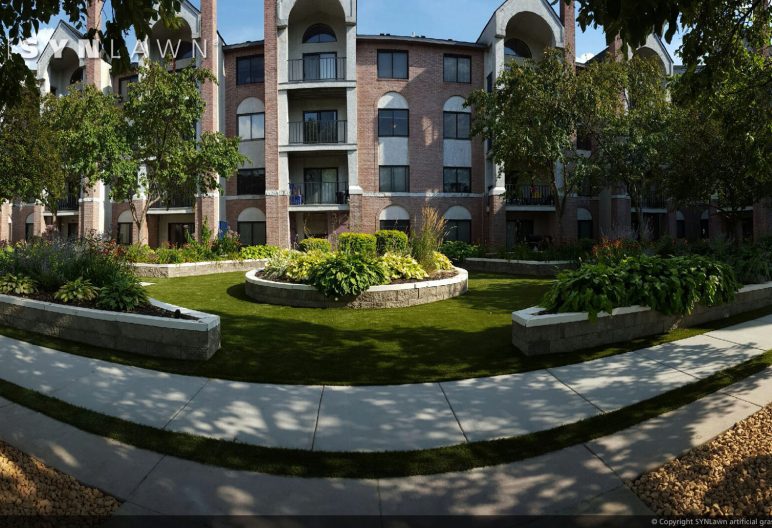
[390, 296]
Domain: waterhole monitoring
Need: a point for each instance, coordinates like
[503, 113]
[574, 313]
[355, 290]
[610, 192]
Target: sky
[242, 20]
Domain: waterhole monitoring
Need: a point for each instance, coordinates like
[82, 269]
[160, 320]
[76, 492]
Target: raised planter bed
[193, 269]
[526, 268]
[536, 334]
[389, 296]
[190, 339]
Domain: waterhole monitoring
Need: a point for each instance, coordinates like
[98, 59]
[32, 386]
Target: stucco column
[38, 220]
[6, 211]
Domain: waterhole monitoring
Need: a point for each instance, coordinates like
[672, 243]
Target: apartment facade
[350, 132]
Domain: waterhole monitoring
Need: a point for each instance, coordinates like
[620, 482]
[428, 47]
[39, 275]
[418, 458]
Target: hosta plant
[441, 263]
[77, 291]
[124, 294]
[17, 285]
[347, 275]
[259, 252]
[399, 266]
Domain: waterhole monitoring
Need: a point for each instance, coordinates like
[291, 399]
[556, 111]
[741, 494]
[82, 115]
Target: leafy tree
[89, 133]
[161, 113]
[29, 160]
[721, 149]
[532, 116]
[21, 18]
[631, 142]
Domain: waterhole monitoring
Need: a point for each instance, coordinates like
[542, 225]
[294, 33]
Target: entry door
[321, 186]
[320, 66]
[320, 127]
[178, 233]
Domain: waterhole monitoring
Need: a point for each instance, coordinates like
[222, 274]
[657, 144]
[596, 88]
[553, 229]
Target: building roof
[240, 45]
[421, 39]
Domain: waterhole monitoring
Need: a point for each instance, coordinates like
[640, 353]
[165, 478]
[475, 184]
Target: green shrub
[315, 244]
[276, 267]
[391, 241]
[259, 252]
[459, 251]
[399, 266]
[139, 253]
[79, 290]
[441, 263]
[170, 256]
[228, 245]
[347, 275]
[670, 286]
[357, 244]
[17, 285]
[753, 265]
[611, 252]
[124, 294]
[427, 241]
[301, 265]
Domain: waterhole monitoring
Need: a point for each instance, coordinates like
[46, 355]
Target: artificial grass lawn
[382, 464]
[465, 337]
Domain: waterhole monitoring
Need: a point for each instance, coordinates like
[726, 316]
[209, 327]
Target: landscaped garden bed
[194, 269]
[521, 268]
[625, 294]
[83, 292]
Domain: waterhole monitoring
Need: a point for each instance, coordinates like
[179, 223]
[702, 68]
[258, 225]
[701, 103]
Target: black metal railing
[654, 200]
[319, 193]
[70, 203]
[314, 68]
[540, 195]
[248, 183]
[175, 202]
[317, 132]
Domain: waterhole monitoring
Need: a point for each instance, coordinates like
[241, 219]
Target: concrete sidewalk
[379, 418]
[583, 479]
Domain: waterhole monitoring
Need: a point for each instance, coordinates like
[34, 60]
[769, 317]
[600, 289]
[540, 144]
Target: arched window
[584, 224]
[29, 227]
[251, 119]
[319, 34]
[395, 217]
[251, 227]
[705, 225]
[517, 49]
[124, 233]
[459, 224]
[680, 225]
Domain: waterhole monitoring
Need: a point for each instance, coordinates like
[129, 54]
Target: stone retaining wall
[160, 337]
[391, 296]
[526, 268]
[193, 269]
[537, 335]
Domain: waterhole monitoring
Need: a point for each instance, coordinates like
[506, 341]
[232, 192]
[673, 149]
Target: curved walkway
[583, 479]
[379, 418]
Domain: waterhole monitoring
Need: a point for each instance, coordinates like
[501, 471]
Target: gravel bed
[28, 487]
[730, 475]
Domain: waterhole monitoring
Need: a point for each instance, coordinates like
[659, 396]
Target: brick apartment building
[350, 132]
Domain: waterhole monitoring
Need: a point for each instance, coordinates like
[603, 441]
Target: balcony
[653, 200]
[250, 183]
[70, 203]
[319, 193]
[317, 132]
[175, 202]
[530, 195]
[315, 68]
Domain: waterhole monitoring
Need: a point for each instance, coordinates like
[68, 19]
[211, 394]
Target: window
[457, 180]
[519, 232]
[457, 69]
[250, 70]
[250, 182]
[459, 230]
[392, 65]
[29, 231]
[517, 49]
[584, 228]
[320, 127]
[178, 233]
[124, 234]
[319, 34]
[252, 126]
[393, 123]
[252, 233]
[457, 125]
[396, 225]
[124, 86]
[394, 178]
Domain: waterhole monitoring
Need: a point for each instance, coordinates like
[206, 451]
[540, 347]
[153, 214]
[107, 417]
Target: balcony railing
[176, 202]
[70, 203]
[319, 193]
[654, 200]
[530, 195]
[315, 69]
[250, 184]
[317, 132]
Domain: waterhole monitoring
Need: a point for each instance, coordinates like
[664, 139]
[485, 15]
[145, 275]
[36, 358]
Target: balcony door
[320, 127]
[320, 66]
[321, 186]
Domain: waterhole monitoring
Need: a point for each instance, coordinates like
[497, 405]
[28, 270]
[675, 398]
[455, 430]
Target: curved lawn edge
[301, 463]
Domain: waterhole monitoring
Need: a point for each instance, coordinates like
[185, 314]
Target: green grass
[382, 464]
[460, 338]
